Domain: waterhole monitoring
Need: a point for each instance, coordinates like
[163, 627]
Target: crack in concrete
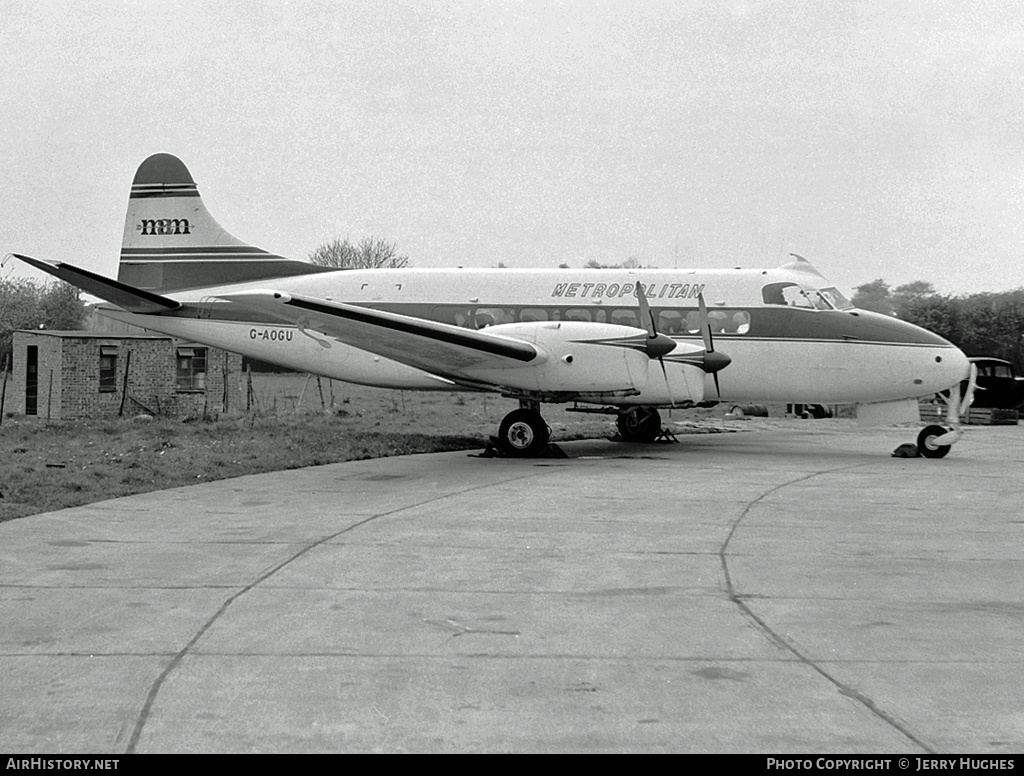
[740, 599]
[175, 661]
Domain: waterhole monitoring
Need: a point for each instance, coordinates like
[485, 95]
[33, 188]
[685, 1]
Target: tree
[631, 263]
[983, 324]
[874, 296]
[28, 304]
[910, 294]
[371, 253]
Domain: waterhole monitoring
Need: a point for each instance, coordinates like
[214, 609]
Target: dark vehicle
[998, 387]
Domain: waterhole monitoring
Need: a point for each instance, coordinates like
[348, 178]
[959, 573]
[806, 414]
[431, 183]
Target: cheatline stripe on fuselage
[223, 312]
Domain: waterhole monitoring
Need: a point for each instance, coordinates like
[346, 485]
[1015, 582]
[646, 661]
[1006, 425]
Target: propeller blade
[705, 325]
[646, 316]
[668, 385]
[713, 362]
[657, 345]
[972, 385]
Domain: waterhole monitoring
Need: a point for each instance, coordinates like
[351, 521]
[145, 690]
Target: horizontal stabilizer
[134, 300]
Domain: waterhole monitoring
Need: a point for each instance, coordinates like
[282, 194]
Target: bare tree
[371, 253]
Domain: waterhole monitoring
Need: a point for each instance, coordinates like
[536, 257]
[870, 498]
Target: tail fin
[171, 242]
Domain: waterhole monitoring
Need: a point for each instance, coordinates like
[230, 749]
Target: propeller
[714, 361]
[657, 345]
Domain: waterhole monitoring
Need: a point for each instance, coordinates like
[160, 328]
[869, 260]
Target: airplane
[628, 342]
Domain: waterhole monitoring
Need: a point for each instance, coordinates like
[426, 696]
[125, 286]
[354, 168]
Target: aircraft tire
[927, 434]
[523, 434]
[639, 424]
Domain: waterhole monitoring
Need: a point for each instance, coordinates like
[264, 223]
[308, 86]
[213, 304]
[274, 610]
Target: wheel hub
[520, 435]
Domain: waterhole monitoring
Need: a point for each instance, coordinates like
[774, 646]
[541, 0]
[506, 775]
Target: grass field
[47, 465]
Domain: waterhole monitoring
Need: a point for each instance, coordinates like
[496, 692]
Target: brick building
[75, 374]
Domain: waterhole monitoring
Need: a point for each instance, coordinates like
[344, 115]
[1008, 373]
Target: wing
[135, 300]
[438, 348]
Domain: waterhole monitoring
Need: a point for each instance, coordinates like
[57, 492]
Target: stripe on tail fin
[171, 242]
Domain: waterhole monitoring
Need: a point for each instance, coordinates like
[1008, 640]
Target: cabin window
[533, 314]
[734, 321]
[191, 371]
[624, 318]
[492, 316]
[671, 322]
[721, 322]
[108, 368]
[578, 314]
[456, 316]
[728, 321]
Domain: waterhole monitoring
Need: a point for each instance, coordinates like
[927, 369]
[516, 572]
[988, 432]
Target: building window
[108, 368]
[191, 369]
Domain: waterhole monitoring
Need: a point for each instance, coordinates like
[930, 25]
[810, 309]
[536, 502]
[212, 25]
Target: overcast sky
[878, 139]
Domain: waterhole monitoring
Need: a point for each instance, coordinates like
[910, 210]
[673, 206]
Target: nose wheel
[523, 434]
[926, 442]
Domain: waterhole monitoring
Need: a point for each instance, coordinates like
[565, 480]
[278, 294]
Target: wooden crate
[983, 416]
[976, 416]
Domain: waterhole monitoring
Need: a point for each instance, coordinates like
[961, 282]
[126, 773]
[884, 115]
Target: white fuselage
[796, 346]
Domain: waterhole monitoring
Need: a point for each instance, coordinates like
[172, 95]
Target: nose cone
[956, 367]
[922, 362]
[939, 368]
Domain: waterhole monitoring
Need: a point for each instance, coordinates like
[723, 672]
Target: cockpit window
[794, 295]
[836, 298]
[789, 294]
[818, 302]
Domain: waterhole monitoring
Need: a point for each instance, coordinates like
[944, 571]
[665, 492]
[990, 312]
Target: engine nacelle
[602, 358]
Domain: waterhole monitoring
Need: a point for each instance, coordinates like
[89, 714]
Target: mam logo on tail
[164, 226]
[171, 242]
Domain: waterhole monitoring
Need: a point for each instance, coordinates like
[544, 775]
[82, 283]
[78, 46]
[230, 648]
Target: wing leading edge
[438, 348]
[134, 300]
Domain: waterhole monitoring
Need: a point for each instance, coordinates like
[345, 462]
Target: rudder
[171, 242]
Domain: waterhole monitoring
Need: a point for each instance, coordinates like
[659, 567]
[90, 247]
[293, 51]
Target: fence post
[3, 390]
[124, 384]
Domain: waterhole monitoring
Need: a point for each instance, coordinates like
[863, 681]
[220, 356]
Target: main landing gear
[639, 424]
[523, 432]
